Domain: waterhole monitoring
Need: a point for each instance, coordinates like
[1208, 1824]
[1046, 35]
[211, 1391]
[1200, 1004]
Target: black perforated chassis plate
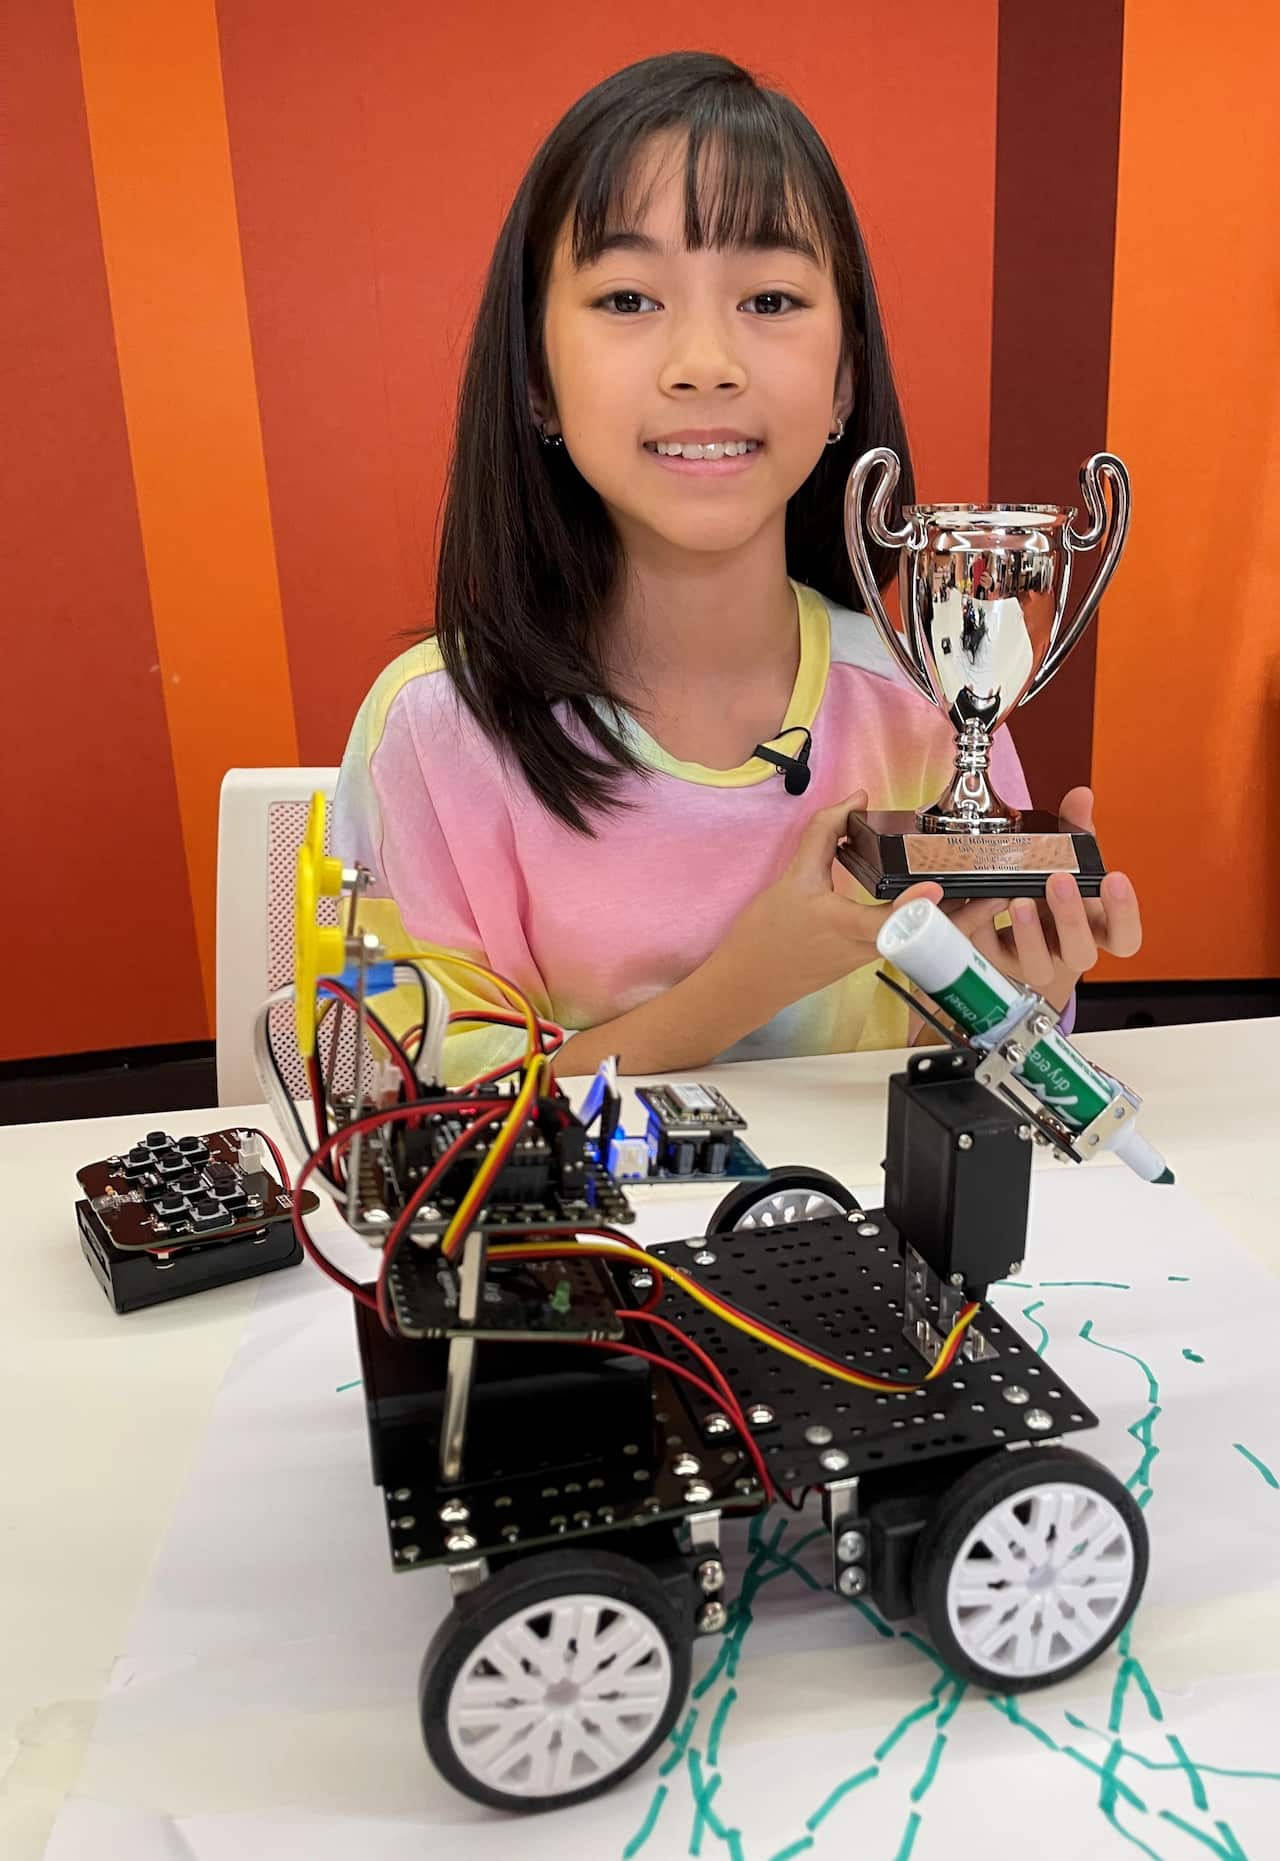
[823, 1281]
[839, 1284]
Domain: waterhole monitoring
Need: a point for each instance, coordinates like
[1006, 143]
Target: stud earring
[833, 439]
[550, 439]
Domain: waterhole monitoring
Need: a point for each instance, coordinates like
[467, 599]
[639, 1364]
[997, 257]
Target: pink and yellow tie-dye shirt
[466, 859]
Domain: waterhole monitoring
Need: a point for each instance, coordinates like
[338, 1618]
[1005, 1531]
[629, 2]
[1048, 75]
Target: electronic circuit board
[167, 1192]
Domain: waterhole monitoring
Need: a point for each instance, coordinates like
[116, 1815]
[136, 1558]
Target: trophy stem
[969, 804]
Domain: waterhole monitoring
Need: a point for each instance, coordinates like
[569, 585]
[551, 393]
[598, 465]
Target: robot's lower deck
[560, 1446]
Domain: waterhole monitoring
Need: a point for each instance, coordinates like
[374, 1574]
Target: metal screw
[744, 1485]
[1015, 1394]
[957, 1279]
[852, 1581]
[401, 1494]
[834, 1459]
[697, 1493]
[818, 1434]
[869, 1228]
[704, 1259]
[1041, 1025]
[711, 1576]
[1014, 1053]
[459, 1541]
[1026, 1133]
[850, 1546]
[1038, 1420]
[511, 1533]
[377, 1217]
[452, 1512]
[685, 1466]
[759, 1415]
[405, 1523]
[642, 1280]
[1117, 1111]
[410, 1553]
[1015, 1266]
[712, 1618]
[695, 1244]
[964, 1141]
[716, 1424]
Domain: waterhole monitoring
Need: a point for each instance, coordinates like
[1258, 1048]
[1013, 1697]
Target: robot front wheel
[554, 1680]
[1029, 1568]
[793, 1193]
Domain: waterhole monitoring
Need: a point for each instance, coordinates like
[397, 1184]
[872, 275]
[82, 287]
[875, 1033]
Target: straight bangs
[749, 182]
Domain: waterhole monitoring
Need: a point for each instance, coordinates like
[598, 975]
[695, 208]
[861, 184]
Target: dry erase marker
[926, 946]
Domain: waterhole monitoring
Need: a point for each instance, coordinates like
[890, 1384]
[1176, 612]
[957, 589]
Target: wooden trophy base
[887, 854]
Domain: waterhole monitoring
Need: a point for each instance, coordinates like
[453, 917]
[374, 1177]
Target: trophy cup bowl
[983, 592]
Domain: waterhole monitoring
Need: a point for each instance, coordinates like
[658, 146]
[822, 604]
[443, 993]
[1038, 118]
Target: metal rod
[460, 1367]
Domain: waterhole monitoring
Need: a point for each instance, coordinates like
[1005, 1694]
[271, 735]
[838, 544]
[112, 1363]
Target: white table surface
[101, 1415]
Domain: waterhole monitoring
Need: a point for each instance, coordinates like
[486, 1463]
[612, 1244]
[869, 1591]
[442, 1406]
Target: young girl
[643, 576]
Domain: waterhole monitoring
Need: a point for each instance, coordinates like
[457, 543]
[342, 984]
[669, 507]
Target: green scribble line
[704, 1817]
[1153, 1388]
[908, 1837]
[904, 1725]
[353, 1384]
[1112, 1785]
[1192, 1356]
[1111, 1285]
[717, 1725]
[1029, 1313]
[925, 1778]
[679, 1742]
[1006, 1703]
[950, 1710]
[1199, 1798]
[1233, 1852]
[841, 1790]
[1262, 1467]
[645, 1830]
[1182, 1279]
[788, 1854]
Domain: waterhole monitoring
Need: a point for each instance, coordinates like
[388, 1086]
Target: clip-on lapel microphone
[795, 769]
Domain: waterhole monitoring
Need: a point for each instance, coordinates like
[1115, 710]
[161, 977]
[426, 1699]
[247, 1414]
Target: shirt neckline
[802, 707]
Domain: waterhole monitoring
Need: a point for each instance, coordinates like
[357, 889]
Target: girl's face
[652, 342]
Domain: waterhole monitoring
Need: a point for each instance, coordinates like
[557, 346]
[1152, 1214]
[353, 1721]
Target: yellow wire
[477, 1194]
[530, 1250]
[515, 996]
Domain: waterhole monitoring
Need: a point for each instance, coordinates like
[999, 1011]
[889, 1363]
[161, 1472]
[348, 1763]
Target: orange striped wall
[250, 237]
[1187, 705]
[255, 237]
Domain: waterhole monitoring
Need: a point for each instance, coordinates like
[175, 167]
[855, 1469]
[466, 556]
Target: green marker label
[973, 1001]
[1058, 1077]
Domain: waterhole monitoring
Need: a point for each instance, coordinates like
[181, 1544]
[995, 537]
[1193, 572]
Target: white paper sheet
[266, 1703]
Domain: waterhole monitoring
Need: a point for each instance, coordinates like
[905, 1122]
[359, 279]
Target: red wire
[727, 1398]
[336, 989]
[676, 1369]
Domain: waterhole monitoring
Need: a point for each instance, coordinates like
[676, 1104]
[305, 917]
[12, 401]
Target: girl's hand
[800, 934]
[1053, 941]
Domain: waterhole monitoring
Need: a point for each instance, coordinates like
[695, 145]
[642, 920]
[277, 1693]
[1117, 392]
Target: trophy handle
[884, 460]
[1103, 465]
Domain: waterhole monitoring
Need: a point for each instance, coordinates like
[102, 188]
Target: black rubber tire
[743, 1197]
[542, 1577]
[985, 1485]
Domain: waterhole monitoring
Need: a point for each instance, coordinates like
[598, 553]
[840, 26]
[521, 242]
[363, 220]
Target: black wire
[421, 974]
[304, 1140]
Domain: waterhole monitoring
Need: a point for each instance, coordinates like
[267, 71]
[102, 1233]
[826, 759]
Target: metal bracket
[461, 1362]
[704, 1531]
[923, 1293]
[463, 1578]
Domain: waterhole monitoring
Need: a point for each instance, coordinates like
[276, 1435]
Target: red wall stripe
[92, 839]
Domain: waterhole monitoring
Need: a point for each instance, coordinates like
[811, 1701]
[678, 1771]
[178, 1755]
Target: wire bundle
[505, 1116]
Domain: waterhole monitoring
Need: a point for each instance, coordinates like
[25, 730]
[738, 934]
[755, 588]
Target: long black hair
[529, 559]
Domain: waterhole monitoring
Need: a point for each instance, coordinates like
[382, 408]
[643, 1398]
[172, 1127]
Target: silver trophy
[983, 592]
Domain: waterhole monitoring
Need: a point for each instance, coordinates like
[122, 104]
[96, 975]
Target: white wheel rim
[560, 1696]
[1040, 1580]
[785, 1205]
